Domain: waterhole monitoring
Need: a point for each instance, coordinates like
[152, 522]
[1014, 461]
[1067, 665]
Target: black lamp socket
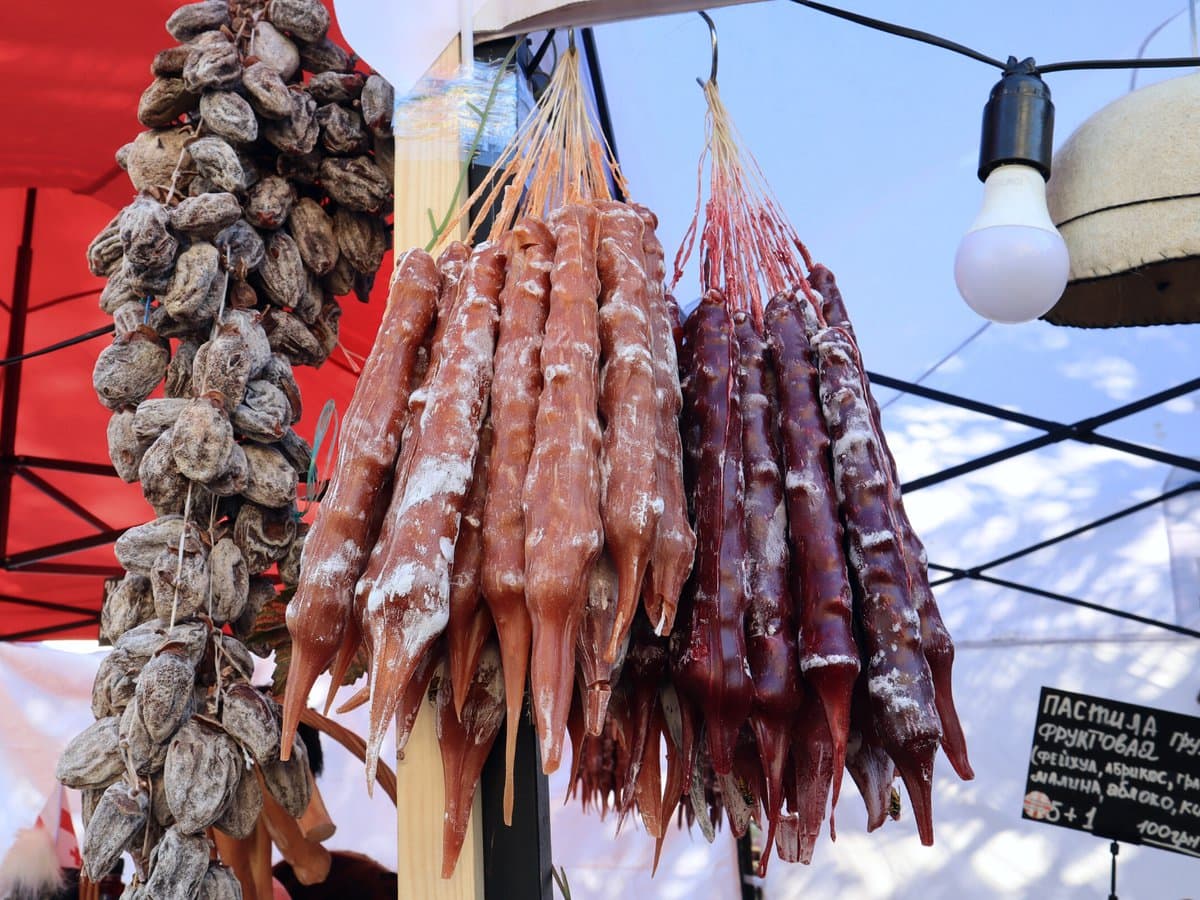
[1018, 121]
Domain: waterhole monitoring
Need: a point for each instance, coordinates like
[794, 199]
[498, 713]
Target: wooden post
[427, 172]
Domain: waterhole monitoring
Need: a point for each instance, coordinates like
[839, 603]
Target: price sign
[1120, 771]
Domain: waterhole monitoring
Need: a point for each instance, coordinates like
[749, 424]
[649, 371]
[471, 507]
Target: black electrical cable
[924, 37]
[903, 31]
[69, 342]
[1165, 62]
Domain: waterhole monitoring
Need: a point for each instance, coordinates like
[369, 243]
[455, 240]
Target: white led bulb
[1012, 264]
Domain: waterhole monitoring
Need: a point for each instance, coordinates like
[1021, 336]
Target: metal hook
[712, 31]
[570, 40]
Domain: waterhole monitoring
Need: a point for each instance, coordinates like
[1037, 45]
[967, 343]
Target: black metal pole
[1115, 848]
[12, 374]
[747, 858]
[601, 98]
[516, 857]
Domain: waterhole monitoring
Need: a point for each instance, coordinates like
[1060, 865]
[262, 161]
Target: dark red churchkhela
[770, 628]
[709, 643]
[829, 656]
[898, 680]
[935, 639]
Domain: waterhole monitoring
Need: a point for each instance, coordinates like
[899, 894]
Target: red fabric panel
[72, 74]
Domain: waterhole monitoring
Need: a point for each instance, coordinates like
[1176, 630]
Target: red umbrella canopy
[72, 74]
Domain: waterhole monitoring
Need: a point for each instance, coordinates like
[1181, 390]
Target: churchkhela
[686, 530]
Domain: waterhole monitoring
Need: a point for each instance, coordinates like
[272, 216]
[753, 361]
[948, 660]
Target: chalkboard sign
[1120, 771]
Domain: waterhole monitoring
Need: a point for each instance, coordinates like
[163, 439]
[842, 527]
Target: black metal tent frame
[1083, 431]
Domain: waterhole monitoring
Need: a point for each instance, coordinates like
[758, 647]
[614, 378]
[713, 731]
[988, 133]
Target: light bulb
[1012, 264]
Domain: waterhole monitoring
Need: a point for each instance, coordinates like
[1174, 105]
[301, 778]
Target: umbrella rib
[50, 629]
[62, 498]
[46, 605]
[73, 569]
[60, 465]
[37, 554]
[1074, 532]
[55, 301]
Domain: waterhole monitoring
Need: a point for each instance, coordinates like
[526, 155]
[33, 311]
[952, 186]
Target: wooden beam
[428, 169]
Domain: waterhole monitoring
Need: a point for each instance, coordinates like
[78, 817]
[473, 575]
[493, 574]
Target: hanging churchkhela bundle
[260, 199]
[807, 567]
[513, 464]
[508, 495]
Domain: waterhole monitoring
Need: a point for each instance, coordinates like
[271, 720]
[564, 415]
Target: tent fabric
[59, 416]
[72, 75]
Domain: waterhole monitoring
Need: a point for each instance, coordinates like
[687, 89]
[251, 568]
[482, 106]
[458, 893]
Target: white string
[187, 501]
[1154, 33]
[1192, 23]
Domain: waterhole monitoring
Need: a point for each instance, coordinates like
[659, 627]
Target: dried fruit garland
[261, 199]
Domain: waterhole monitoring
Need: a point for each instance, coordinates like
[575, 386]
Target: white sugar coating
[582, 352]
[488, 716]
[833, 659]
[632, 355]
[337, 565]
[513, 579]
[641, 508]
[528, 353]
[544, 701]
[855, 436]
[447, 547]
[892, 689]
[912, 617]
[775, 545]
[869, 540]
[799, 480]
[433, 477]
[398, 582]
[481, 343]
[556, 372]
[588, 540]
[420, 625]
